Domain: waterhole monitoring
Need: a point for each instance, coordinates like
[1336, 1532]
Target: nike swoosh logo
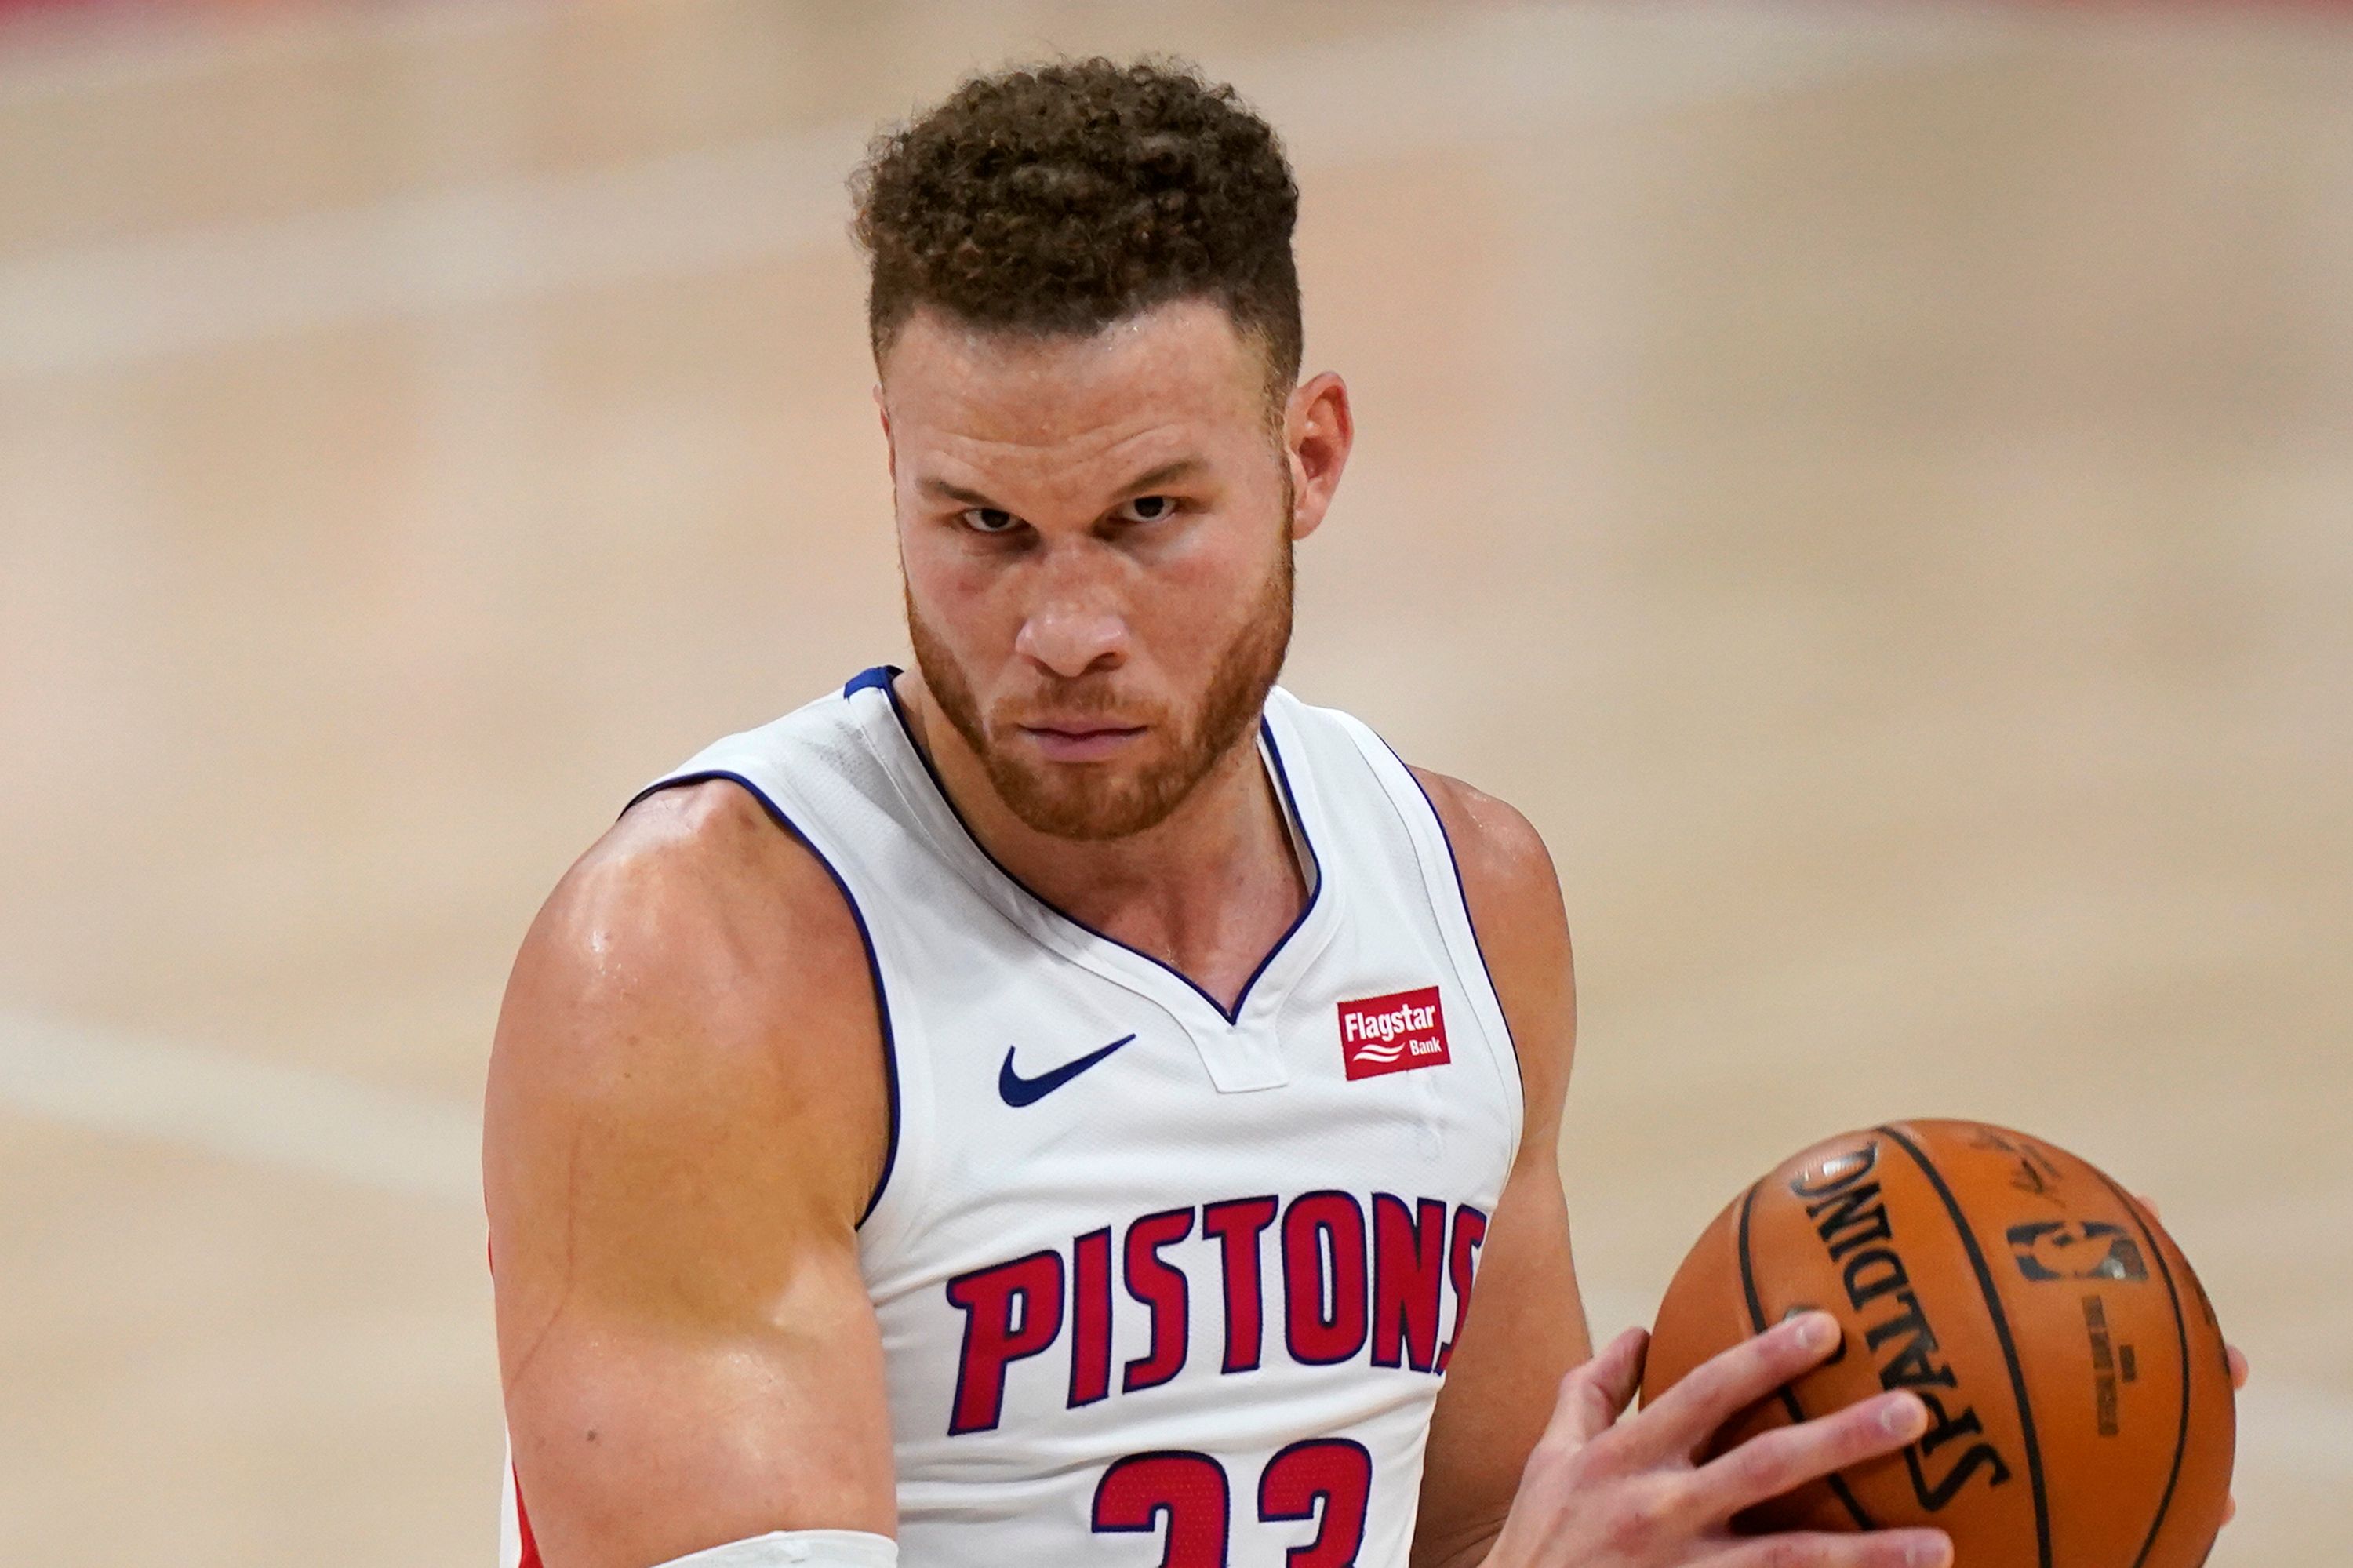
[1017, 1090]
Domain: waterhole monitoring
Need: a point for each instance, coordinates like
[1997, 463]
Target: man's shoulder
[1496, 848]
[697, 933]
[696, 973]
[686, 831]
[1498, 853]
[696, 872]
[1512, 892]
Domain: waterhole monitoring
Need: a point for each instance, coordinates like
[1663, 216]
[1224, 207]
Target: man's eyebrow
[1142, 484]
[1167, 473]
[955, 493]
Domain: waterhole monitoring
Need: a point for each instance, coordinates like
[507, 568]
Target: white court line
[696, 212]
[276, 1117]
[78, 54]
[1480, 75]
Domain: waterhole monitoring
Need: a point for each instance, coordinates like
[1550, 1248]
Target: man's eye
[989, 520]
[1148, 509]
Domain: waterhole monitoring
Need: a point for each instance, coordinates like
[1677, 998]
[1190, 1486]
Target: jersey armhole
[866, 941]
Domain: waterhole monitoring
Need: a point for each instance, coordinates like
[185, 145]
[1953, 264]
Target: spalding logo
[1392, 1033]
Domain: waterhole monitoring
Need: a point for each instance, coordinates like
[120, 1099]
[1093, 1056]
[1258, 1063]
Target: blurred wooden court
[1874, 483]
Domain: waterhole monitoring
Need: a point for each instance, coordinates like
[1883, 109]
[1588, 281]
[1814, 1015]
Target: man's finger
[1880, 1549]
[1786, 1458]
[1691, 1412]
[1593, 1395]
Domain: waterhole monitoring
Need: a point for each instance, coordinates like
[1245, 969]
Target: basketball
[2079, 1406]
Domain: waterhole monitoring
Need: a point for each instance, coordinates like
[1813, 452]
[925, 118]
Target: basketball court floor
[1874, 484]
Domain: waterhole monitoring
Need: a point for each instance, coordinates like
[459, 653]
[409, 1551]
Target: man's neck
[1208, 890]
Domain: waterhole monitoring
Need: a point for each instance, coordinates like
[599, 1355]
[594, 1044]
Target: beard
[1095, 802]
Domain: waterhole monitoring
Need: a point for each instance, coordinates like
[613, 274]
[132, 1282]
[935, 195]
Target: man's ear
[1318, 431]
[889, 447]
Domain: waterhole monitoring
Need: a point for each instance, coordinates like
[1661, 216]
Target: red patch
[1392, 1033]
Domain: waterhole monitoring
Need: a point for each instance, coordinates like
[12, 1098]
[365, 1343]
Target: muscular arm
[1527, 1325]
[686, 1116]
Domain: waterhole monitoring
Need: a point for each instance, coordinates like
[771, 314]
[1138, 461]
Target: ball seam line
[2001, 1333]
[1838, 1486]
[2181, 1337]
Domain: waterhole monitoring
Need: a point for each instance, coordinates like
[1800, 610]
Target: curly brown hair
[1061, 198]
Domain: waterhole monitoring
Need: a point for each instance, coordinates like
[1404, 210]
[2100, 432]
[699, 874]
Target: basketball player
[1053, 1104]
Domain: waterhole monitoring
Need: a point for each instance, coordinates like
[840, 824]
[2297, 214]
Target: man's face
[1096, 537]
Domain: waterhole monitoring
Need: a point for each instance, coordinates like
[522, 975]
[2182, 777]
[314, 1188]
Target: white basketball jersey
[1159, 1283]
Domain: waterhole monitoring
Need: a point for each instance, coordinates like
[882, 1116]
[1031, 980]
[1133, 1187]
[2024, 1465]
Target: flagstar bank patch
[1392, 1033]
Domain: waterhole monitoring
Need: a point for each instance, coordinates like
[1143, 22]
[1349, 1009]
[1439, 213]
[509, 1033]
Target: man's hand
[1605, 1492]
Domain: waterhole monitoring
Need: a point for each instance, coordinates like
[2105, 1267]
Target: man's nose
[1075, 627]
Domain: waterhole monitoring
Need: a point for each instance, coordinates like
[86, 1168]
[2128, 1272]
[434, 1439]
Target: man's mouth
[1080, 740]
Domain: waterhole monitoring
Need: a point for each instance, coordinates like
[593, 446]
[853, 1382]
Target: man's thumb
[1592, 1396]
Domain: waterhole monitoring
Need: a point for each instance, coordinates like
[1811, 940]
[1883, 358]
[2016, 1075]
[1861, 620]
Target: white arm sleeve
[798, 1549]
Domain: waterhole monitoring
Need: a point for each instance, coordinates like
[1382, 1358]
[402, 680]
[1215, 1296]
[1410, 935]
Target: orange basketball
[2079, 1406]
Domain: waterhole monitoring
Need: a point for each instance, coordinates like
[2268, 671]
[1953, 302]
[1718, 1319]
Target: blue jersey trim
[879, 675]
[883, 674]
[865, 938]
[1464, 893]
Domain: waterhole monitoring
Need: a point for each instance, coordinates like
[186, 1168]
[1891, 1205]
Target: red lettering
[1160, 1287]
[1470, 1234]
[1090, 1317]
[1010, 1311]
[1237, 1223]
[1324, 1278]
[1409, 1258]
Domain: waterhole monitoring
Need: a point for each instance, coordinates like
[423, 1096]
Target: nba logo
[1392, 1033]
